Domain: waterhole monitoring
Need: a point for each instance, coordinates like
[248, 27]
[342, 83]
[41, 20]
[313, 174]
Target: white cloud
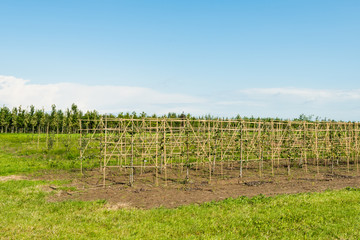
[291, 102]
[105, 98]
[300, 94]
[258, 102]
[239, 103]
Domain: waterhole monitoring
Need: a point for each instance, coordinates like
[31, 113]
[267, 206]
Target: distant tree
[21, 119]
[5, 119]
[304, 117]
[37, 119]
[133, 115]
[67, 121]
[43, 120]
[75, 115]
[143, 115]
[27, 121]
[33, 120]
[53, 119]
[60, 119]
[14, 118]
[172, 115]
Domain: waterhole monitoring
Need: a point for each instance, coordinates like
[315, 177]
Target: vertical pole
[278, 142]
[156, 153]
[164, 152]
[241, 150]
[316, 148]
[327, 132]
[356, 147]
[347, 131]
[221, 148]
[132, 155]
[272, 147]
[187, 156]
[105, 146]
[143, 147]
[260, 149]
[125, 144]
[209, 151]
[81, 150]
[122, 134]
[305, 147]
[289, 146]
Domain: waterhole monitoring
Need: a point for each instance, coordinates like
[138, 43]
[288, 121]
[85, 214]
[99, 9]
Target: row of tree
[26, 120]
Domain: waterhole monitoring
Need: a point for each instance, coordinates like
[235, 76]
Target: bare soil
[145, 195]
[11, 177]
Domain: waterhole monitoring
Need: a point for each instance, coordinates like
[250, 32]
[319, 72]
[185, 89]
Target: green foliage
[31, 119]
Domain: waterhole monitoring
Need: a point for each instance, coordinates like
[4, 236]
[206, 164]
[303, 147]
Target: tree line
[32, 120]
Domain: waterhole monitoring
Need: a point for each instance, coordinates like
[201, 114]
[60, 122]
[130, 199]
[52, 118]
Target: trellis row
[216, 148]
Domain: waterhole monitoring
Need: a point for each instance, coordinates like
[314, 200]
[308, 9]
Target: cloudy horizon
[258, 102]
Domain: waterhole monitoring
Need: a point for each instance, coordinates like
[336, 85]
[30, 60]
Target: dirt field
[144, 194]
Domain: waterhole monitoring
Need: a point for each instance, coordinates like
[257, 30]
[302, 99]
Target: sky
[253, 58]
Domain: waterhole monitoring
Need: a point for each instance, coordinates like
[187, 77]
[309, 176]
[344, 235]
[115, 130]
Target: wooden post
[316, 148]
[260, 148]
[272, 147]
[143, 148]
[105, 148]
[164, 152]
[156, 153]
[241, 150]
[347, 147]
[81, 150]
[305, 147]
[132, 157]
[187, 156]
[210, 170]
[356, 133]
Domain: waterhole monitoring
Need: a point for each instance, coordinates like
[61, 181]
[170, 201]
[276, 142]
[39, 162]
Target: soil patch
[11, 177]
[144, 194]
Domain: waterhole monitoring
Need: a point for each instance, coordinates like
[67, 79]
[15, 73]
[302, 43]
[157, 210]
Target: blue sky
[260, 58]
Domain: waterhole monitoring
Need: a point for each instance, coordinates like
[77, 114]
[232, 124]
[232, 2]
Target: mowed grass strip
[25, 213]
[21, 153]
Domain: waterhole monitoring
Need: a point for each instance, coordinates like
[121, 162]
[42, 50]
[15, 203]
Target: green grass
[21, 153]
[25, 212]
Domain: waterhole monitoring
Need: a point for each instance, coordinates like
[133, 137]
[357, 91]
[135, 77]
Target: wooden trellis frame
[219, 148]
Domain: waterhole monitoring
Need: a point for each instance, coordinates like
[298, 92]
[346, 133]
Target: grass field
[26, 213]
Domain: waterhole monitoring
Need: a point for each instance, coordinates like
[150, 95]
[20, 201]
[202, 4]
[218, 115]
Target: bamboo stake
[260, 149]
[272, 133]
[131, 180]
[105, 147]
[347, 149]
[156, 154]
[356, 132]
[81, 151]
[187, 156]
[304, 147]
[316, 148]
[164, 152]
[210, 170]
[241, 151]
